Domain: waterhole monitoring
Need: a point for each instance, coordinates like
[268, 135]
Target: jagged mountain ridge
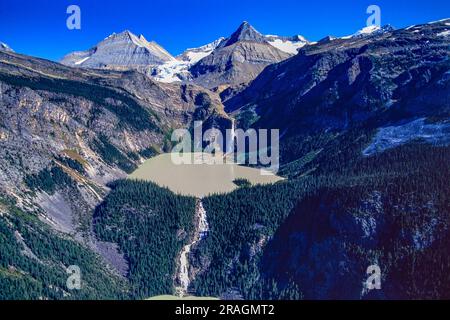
[178, 70]
[245, 32]
[341, 83]
[127, 51]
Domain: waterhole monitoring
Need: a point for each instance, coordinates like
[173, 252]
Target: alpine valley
[364, 126]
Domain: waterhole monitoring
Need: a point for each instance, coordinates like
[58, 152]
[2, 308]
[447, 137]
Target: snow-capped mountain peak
[245, 32]
[139, 41]
[370, 30]
[120, 50]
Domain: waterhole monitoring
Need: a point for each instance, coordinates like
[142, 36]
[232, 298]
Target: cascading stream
[232, 133]
[201, 231]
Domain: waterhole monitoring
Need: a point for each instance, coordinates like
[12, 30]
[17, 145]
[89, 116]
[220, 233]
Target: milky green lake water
[198, 180]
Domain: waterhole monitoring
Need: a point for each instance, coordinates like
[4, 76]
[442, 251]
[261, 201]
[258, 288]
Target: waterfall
[203, 226]
[231, 136]
[200, 233]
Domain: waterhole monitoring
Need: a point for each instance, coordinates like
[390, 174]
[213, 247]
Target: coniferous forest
[34, 262]
[150, 224]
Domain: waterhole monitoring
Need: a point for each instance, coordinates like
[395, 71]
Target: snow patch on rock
[444, 34]
[5, 47]
[394, 136]
[288, 45]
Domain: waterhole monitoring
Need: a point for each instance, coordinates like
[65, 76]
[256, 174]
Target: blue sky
[38, 27]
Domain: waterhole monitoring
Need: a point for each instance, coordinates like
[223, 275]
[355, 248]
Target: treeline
[128, 111]
[48, 179]
[71, 163]
[150, 224]
[113, 156]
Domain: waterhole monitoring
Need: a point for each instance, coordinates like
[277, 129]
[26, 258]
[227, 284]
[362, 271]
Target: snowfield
[177, 69]
[444, 34]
